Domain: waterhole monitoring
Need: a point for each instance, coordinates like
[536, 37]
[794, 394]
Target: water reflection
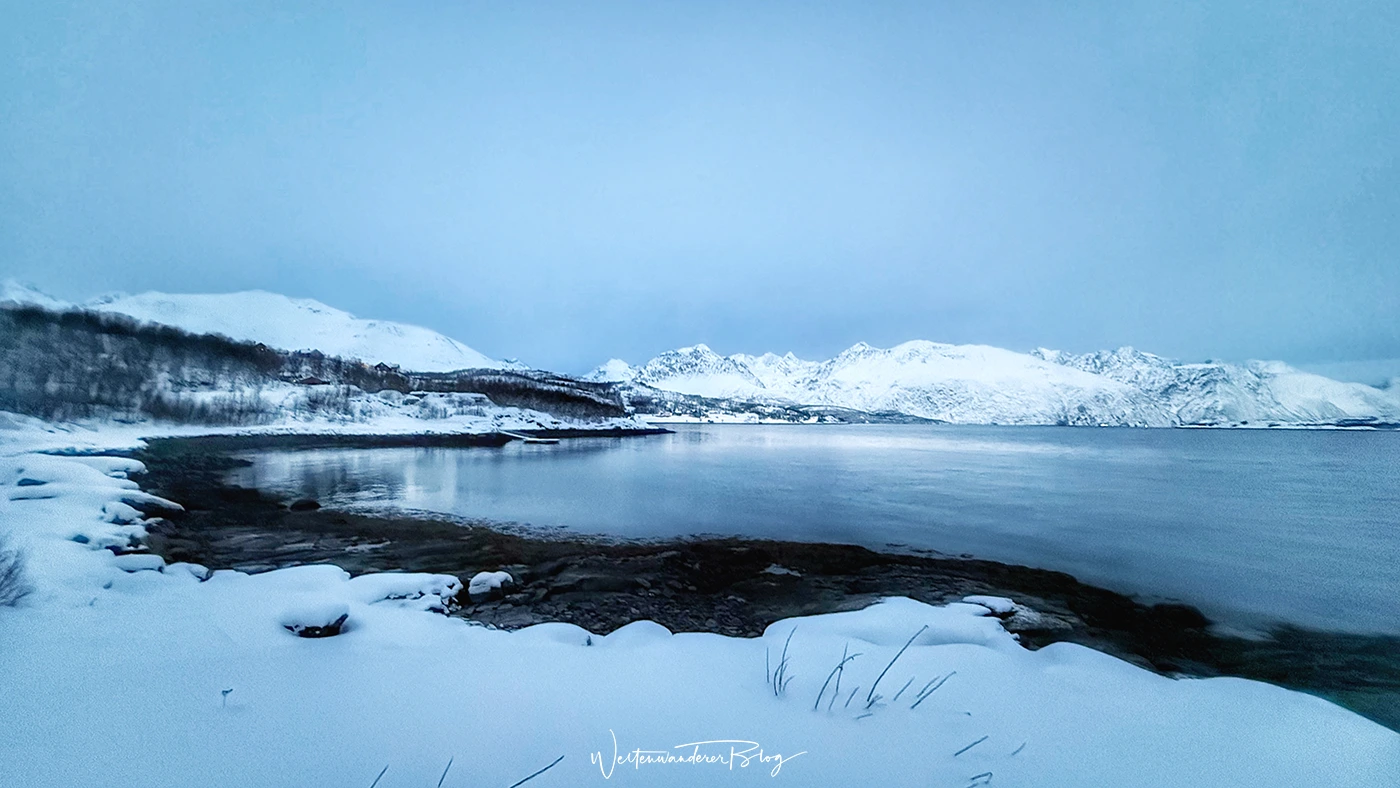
[1298, 526]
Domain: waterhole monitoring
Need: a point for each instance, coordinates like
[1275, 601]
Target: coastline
[729, 586]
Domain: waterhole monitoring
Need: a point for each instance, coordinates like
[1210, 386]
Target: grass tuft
[779, 678]
[13, 584]
[871, 698]
[835, 673]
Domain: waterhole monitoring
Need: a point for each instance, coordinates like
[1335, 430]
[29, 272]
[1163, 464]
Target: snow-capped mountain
[691, 370]
[614, 370]
[1256, 391]
[978, 384]
[283, 323]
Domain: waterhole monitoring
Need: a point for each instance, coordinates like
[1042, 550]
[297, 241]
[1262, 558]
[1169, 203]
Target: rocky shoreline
[734, 587]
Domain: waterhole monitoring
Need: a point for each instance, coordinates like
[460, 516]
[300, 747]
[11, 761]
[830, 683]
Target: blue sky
[568, 182]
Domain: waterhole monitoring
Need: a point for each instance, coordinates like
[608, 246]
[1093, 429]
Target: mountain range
[963, 384]
[978, 384]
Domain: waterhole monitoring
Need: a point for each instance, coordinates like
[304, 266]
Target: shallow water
[1252, 526]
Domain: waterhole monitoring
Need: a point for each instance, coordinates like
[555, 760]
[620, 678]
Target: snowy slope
[1256, 391]
[300, 324]
[972, 384]
[700, 371]
[958, 383]
[283, 323]
[978, 384]
[12, 291]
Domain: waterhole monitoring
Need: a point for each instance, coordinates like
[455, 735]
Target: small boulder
[485, 586]
[316, 619]
[305, 505]
[590, 581]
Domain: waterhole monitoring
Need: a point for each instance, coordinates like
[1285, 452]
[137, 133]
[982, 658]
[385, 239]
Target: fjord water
[1253, 526]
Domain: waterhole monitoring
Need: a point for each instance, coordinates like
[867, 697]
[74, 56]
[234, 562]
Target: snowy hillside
[1254, 392]
[283, 323]
[978, 384]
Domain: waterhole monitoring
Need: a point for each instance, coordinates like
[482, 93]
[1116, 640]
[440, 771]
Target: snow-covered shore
[114, 672]
[20, 433]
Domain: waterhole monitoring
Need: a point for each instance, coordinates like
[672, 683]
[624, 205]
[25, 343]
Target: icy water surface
[1252, 526]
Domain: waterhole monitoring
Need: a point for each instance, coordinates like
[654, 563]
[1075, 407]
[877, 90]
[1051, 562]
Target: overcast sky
[565, 183]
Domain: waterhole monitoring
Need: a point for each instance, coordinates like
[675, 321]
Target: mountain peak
[614, 370]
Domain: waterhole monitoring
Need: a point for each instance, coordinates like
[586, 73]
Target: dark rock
[592, 582]
[550, 568]
[1173, 615]
[325, 631]
[305, 505]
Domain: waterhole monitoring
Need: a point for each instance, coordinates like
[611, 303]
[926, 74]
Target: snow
[372, 414]
[15, 292]
[486, 582]
[183, 677]
[999, 605]
[614, 370]
[407, 589]
[139, 562]
[314, 613]
[283, 323]
[980, 384]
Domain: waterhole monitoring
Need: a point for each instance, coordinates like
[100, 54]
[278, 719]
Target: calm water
[1252, 526]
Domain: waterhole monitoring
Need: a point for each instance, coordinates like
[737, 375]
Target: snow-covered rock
[139, 562]
[488, 584]
[999, 605]
[316, 618]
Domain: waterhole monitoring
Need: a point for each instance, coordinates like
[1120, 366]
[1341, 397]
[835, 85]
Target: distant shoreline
[1384, 426]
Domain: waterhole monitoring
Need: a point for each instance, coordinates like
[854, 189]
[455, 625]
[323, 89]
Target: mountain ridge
[919, 379]
[284, 323]
[981, 384]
